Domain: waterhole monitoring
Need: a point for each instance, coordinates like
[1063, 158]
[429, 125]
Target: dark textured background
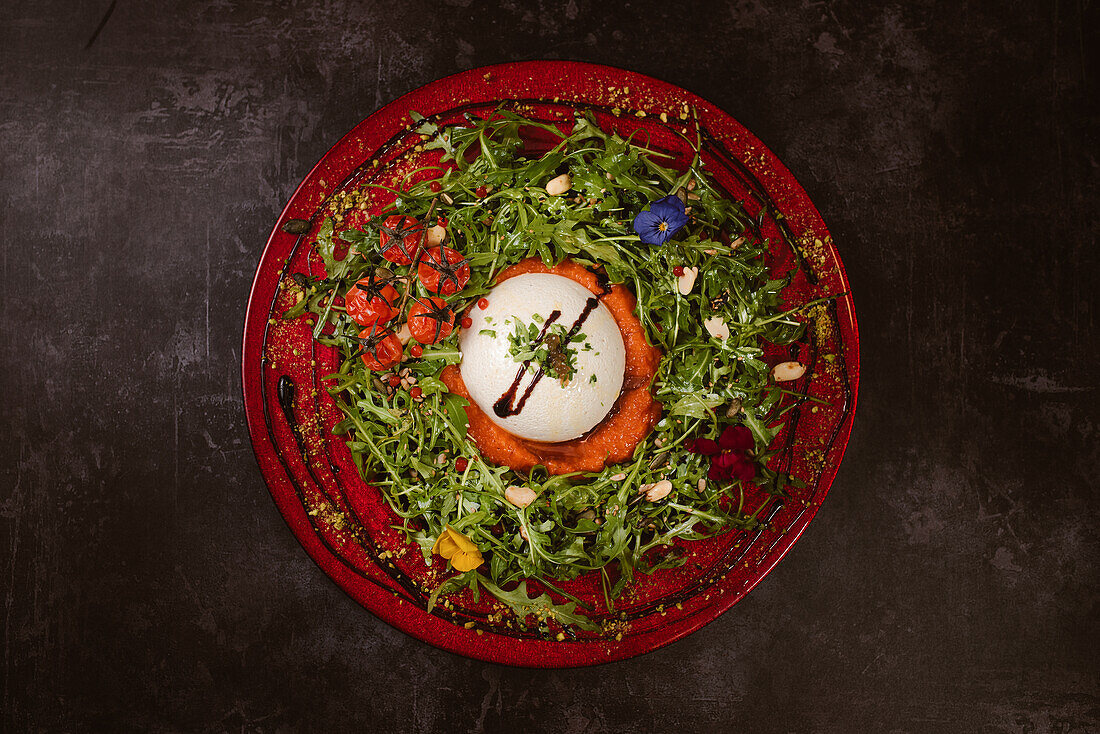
[949, 584]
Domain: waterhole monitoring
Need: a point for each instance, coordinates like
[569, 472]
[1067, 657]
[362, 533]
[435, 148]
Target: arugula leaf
[456, 409]
[326, 246]
[438, 139]
[542, 607]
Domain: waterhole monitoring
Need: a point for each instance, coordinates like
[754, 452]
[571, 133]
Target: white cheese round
[552, 412]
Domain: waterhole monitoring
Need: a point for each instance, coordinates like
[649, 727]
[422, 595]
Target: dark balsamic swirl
[506, 406]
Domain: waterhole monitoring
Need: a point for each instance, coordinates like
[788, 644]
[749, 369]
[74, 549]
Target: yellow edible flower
[458, 549]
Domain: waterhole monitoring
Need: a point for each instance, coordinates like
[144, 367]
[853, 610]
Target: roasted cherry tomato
[399, 239]
[372, 301]
[381, 348]
[431, 320]
[443, 270]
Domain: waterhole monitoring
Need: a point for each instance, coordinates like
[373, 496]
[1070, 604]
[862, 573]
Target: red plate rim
[576, 81]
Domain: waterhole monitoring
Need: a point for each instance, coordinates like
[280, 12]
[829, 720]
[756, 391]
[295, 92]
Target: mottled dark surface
[950, 582]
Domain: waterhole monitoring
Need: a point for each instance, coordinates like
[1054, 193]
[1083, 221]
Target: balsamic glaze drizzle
[601, 280]
[285, 392]
[506, 405]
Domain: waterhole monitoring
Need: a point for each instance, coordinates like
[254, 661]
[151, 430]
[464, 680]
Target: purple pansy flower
[665, 218]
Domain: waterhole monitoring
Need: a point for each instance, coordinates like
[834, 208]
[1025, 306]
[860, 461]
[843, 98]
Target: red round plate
[344, 524]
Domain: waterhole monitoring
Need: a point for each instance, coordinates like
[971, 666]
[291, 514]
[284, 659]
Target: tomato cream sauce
[615, 438]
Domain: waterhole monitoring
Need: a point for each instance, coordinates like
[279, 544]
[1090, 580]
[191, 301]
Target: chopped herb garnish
[546, 347]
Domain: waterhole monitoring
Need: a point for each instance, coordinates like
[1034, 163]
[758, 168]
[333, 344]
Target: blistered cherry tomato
[443, 270]
[399, 239]
[371, 301]
[431, 320]
[381, 350]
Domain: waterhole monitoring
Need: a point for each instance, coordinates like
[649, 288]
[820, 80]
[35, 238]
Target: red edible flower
[730, 454]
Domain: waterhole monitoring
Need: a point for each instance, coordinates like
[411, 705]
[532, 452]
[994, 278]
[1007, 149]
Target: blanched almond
[787, 371]
[520, 496]
[559, 185]
[436, 235]
[687, 281]
[657, 491]
[717, 327]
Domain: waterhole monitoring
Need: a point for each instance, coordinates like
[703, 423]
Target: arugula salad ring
[399, 285]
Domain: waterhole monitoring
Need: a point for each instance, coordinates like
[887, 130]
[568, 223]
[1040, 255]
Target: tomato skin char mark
[399, 239]
[430, 320]
[379, 350]
[372, 301]
[443, 270]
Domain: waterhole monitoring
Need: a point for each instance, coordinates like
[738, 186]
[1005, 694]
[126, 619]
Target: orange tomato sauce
[616, 436]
